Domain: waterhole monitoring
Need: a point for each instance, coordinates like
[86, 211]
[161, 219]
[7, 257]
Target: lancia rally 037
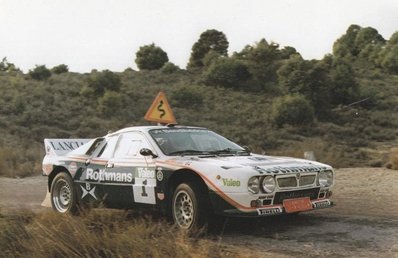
[184, 172]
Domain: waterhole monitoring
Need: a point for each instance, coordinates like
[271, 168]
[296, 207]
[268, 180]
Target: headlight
[253, 185]
[325, 178]
[268, 184]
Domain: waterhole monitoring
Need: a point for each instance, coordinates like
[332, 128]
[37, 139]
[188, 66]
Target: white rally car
[186, 172]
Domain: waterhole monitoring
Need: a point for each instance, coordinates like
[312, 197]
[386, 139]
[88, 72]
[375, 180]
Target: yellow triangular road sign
[160, 111]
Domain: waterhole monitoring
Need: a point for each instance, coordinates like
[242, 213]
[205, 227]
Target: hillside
[72, 105]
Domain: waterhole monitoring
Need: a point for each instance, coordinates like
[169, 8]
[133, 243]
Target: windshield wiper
[187, 152]
[226, 151]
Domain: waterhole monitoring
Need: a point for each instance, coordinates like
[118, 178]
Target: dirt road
[364, 222]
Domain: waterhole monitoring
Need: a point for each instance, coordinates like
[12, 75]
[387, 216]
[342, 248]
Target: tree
[309, 78]
[365, 37]
[227, 72]
[150, 57]
[6, 66]
[62, 68]
[40, 72]
[388, 57]
[359, 42]
[390, 61]
[210, 40]
[287, 52]
[261, 58]
[293, 110]
[345, 45]
[344, 87]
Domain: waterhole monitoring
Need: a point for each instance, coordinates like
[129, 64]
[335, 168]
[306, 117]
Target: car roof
[151, 127]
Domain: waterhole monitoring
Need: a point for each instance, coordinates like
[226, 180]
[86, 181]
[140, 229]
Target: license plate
[296, 205]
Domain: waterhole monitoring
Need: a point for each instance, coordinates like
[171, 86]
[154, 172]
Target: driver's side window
[130, 145]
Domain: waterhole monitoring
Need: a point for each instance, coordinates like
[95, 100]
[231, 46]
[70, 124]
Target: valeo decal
[230, 182]
[145, 173]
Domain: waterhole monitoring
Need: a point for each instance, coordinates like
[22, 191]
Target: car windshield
[192, 141]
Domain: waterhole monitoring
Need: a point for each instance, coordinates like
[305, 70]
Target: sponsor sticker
[101, 175]
[269, 211]
[145, 173]
[160, 196]
[230, 182]
[159, 175]
[321, 204]
[88, 191]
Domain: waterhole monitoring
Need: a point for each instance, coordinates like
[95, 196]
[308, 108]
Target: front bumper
[273, 210]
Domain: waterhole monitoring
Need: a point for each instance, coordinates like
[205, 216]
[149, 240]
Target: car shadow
[264, 227]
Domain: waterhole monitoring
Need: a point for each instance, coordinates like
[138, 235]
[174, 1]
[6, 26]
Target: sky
[106, 34]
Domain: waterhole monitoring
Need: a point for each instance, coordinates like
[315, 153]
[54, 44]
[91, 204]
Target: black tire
[189, 207]
[63, 194]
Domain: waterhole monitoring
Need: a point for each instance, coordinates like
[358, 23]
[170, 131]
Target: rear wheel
[63, 194]
[188, 207]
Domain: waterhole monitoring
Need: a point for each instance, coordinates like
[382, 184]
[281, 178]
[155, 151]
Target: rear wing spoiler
[60, 147]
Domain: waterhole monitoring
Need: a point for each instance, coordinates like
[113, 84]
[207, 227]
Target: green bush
[292, 110]
[187, 97]
[62, 68]
[151, 57]
[40, 73]
[105, 80]
[169, 68]
[227, 72]
[110, 103]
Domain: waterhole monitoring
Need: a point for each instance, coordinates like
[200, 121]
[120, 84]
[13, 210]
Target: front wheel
[188, 207]
[63, 194]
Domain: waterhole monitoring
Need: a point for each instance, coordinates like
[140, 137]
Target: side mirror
[147, 152]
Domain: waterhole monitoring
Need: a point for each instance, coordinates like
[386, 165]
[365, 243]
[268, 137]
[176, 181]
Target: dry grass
[393, 162]
[99, 233]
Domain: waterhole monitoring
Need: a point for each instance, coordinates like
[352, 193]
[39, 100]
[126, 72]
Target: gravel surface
[364, 222]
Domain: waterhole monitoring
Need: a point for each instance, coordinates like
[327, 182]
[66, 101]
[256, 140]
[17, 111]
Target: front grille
[307, 180]
[287, 182]
[291, 181]
[280, 196]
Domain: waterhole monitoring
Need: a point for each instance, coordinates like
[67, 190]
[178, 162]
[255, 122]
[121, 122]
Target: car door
[131, 176]
[90, 183]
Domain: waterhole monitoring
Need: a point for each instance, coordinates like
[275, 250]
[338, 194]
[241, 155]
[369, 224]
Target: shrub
[19, 162]
[227, 72]
[187, 97]
[393, 162]
[40, 72]
[150, 57]
[292, 110]
[169, 68]
[110, 103]
[105, 80]
[62, 68]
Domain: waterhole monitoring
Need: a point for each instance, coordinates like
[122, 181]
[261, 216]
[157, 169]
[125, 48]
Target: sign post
[160, 111]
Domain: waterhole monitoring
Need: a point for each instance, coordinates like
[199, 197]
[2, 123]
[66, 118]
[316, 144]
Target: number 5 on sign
[160, 111]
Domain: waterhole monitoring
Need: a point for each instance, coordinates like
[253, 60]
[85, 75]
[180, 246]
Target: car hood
[259, 163]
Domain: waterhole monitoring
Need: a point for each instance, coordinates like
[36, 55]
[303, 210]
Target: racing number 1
[144, 183]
